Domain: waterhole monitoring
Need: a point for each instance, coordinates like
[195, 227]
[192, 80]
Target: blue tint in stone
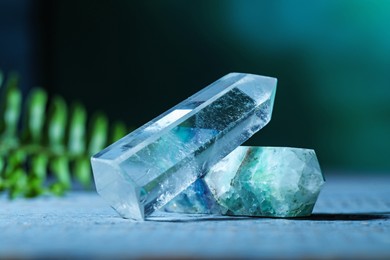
[256, 181]
[147, 168]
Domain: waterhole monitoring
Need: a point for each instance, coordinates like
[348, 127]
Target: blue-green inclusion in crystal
[256, 181]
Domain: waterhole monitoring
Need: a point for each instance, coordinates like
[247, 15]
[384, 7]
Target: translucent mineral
[256, 181]
[147, 168]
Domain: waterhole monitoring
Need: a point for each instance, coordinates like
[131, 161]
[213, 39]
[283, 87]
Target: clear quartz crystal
[147, 168]
[256, 181]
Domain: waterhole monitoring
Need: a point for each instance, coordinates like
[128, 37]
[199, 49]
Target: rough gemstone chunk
[256, 181]
[147, 168]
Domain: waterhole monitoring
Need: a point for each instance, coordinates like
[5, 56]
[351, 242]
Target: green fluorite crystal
[256, 181]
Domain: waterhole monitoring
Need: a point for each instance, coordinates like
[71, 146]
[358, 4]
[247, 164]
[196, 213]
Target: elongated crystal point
[256, 181]
[147, 168]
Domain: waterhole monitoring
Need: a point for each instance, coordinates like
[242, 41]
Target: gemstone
[256, 181]
[147, 168]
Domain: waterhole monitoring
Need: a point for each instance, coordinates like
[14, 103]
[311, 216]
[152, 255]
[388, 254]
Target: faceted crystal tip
[147, 168]
[257, 181]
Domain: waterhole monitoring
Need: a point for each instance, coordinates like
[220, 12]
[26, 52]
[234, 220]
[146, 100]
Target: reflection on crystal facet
[256, 181]
[147, 168]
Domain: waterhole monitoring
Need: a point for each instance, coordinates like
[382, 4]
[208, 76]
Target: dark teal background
[136, 59]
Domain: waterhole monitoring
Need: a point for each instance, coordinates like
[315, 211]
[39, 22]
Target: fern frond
[50, 148]
[11, 104]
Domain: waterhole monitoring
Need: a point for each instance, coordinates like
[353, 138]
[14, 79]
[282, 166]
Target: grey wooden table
[351, 219]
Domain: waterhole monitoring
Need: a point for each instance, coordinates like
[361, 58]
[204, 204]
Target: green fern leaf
[53, 147]
[34, 118]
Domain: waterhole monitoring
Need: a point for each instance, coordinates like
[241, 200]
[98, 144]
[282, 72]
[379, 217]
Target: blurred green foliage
[48, 145]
